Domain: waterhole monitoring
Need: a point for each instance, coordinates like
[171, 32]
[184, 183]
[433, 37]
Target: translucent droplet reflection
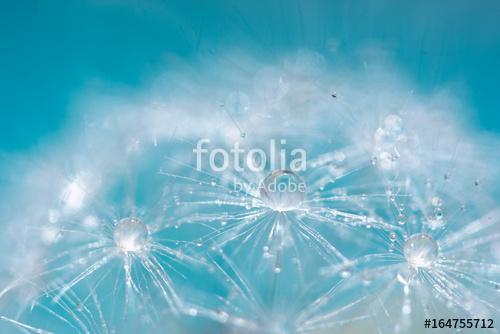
[421, 250]
[131, 235]
[283, 190]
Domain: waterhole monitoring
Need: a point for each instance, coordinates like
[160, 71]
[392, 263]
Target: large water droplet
[283, 190]
[421, 250]
[131, 235]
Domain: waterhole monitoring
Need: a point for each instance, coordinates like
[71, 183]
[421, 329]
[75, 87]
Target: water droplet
[393, 123]
[421, 250]
[436, 201]
[367, 281]
[386, 160]
[406, 309]
[438, 213]
[339, 156]
[345, 273]
[131, 235]
[283, 190]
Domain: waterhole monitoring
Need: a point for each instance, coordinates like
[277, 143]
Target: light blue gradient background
[51, 50]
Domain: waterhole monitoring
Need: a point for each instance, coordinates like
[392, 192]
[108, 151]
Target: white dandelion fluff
[288, 196]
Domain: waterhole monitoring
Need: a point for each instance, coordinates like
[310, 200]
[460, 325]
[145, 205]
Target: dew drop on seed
[421, 250]
[131, 235]
[436, 201]
[438, 213]
[283, 190]
[345, 273]
[406, 309]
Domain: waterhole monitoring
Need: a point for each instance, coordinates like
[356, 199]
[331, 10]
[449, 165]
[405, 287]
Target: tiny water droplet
[406, 309]
[345, 273]
[436, 201]
[438, 213]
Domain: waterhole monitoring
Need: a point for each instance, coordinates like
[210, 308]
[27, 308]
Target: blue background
[51, 50]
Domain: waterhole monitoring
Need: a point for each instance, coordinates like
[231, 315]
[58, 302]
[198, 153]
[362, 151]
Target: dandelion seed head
[283, 190]
[421, 250]
[131, 235]
[262, 255]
